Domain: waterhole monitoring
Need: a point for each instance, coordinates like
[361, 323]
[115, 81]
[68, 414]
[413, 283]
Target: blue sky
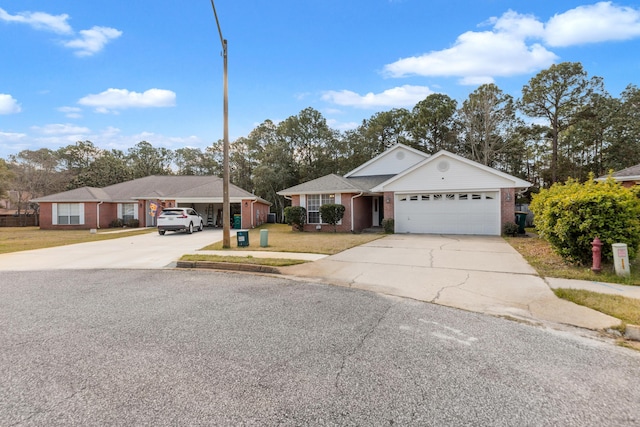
[119, 72]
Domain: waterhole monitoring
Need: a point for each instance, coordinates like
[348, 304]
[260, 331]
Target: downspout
[98, 214]
[352, 217]
[252, 225]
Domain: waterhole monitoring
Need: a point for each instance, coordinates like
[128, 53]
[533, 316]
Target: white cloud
[592, 24]
[61, 129]
[402, 96]
[39, 21]
[71, 112]
[480, 56]
[11, 136]
[517, 44]
[8, 105]
[112, 100]
[93, 40]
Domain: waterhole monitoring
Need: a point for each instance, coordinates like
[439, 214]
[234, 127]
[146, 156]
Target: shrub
[569, 216]
[132, 223]
[389, 225]
[295, 216]
[116, 223]
[332, 214]
[510, 228]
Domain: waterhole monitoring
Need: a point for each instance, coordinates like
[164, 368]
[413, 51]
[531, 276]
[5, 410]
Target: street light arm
[222, 40]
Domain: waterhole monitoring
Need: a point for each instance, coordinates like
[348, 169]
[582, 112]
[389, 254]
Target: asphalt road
[176, 348]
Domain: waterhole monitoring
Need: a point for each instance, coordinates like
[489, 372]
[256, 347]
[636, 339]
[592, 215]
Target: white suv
[177, 219]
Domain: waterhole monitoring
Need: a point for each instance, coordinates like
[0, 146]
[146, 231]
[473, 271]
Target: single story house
[627, 177]
[143, 199]
[439, 194]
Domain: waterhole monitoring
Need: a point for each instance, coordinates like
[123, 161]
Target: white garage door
[448, 213]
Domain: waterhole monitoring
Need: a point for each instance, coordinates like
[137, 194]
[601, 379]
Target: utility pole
[226, 209]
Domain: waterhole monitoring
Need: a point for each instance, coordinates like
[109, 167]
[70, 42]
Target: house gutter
[252, 224]
[354, 197]
[98, 214]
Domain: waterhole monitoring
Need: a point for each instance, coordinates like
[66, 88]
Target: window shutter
[54, 213]
[81, 209]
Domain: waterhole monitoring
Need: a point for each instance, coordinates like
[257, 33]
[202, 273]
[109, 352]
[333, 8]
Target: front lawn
[15, 239]
[282, 239]
[547, 263]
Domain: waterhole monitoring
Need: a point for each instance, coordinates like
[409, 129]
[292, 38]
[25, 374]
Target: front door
[377, 212]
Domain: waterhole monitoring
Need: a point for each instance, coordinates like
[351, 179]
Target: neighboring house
[439, 194]
[143, 199]
[627, 177]
[12, 214]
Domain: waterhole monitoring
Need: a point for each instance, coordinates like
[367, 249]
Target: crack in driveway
[437, 297]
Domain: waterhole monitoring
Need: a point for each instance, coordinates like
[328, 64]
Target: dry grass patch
[15, 239]
[540, 255]
[282, 239]
[272, 262]
[623, 308]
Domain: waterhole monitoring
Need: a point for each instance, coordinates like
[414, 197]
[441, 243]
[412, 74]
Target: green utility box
[264, 238]
[237, 221]
[521, 220]
[243, 238]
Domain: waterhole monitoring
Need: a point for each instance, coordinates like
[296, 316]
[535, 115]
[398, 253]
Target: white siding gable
[391, 162]
[447, 173]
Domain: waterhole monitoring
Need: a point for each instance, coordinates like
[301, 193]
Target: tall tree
[36, 173]
[624, 135]
[432, 124]
[557, 94]
[309, 138]
[376, 134]
[487, 123]
[6, 177]
[145, 160]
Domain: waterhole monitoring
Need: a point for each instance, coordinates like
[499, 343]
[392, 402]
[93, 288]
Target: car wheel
[190, 229]
[161, 232]
[201, 226]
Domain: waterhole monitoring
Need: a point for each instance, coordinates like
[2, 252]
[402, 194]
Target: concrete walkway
[477, 273]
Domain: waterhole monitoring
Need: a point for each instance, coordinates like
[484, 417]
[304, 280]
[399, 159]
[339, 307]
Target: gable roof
[333, 183]
[512, 181]
[154, 187]
[390, 162]
[632, 173]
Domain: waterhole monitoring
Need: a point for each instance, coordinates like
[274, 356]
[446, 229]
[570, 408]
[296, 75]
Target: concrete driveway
[142, 251]
[477, 273]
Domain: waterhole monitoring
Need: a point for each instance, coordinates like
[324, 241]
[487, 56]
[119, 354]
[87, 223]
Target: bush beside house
[570, 215]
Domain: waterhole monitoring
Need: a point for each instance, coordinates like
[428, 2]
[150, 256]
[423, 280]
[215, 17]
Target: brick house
[439, 194]
[141, 200]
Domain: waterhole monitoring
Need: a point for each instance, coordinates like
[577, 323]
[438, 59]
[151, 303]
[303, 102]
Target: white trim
[386, 153]
[81, 213]
[517, 182]
[54, 214]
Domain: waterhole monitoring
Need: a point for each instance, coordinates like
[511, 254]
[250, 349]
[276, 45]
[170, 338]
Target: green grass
[623, 308]
[272, 262]
[15, 239]
[547, 263]
[283, 239]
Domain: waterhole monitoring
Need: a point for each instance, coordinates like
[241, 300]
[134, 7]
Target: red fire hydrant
[597, 255]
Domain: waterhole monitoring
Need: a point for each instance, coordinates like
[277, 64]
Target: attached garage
[448, 212]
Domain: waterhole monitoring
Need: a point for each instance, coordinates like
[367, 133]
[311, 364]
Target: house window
[68, 213]
[128, 212]
[314, 201]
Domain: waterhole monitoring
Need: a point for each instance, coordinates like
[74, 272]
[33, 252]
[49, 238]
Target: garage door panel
[448, 213]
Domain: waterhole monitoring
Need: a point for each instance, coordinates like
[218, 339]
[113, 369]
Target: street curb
[632, 332]
[250, 268]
